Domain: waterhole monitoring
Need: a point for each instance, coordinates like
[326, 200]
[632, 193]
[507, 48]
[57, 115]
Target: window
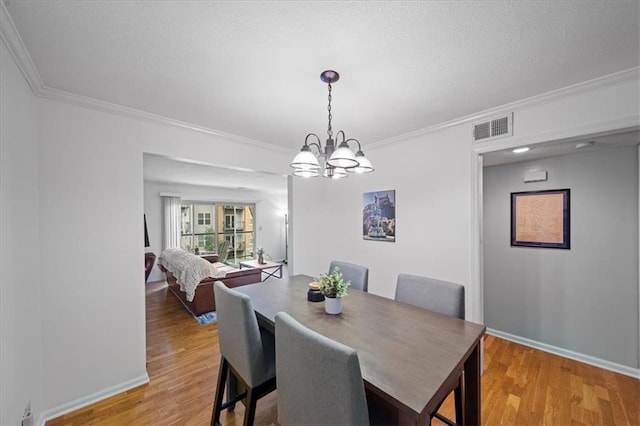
[232, 241]
[237, 226]
[198, 235]
[204, 218]
[229, 221]
[205, 225]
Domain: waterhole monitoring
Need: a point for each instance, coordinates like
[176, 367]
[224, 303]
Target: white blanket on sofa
[188, 269]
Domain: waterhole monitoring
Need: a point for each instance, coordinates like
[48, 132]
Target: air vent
[493, 128]
[482, 131]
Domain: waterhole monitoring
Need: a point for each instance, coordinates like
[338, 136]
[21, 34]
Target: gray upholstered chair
[435, 295]
[358, 275]
[246, 349]
[439, 296]
[319, 379]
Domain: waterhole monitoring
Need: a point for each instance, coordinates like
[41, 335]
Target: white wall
[270, 209]
[435, 177]
[584, 299]
[430, 175]
[93, 300]
[20, 280]
[91, 200]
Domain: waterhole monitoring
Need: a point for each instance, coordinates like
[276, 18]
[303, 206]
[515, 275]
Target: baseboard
[587, 359]
[91, 399]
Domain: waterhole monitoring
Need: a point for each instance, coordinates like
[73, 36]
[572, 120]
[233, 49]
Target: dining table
[410, 358]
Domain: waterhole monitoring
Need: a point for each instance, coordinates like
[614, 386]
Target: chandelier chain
[329, 129]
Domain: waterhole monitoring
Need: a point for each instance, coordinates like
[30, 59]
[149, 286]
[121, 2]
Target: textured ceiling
[252, 68]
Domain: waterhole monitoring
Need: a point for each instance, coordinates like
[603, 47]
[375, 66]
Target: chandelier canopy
[336, 162]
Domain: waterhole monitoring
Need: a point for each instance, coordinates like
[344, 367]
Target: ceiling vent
[493, 128]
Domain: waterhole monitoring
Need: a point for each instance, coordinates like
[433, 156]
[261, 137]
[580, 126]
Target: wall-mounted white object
[537, 176]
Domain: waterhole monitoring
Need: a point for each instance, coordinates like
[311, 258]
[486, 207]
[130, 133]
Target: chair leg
[232, 389]
[250, 409]
[253, 395]
[222, 380]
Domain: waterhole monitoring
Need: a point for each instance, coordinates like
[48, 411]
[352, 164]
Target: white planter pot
[333, 305]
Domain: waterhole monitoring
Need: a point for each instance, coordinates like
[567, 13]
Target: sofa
[202, 297]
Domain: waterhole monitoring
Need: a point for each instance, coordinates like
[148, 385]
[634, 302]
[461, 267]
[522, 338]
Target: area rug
[207, 318]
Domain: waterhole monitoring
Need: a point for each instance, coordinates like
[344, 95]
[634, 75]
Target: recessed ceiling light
[520, 150]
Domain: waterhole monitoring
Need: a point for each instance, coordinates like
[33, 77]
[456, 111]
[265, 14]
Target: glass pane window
[204, 225]
[186, 242]
[186, 219]
[198, 228]
[229, 221]
[204, 218]
[236, 223]
[209, 243]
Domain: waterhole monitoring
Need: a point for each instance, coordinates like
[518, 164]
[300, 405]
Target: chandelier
[336, 162]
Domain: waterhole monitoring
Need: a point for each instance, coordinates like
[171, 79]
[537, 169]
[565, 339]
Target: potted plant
[334, 288]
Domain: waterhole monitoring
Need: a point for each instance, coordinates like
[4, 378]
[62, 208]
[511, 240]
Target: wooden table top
[408, 355]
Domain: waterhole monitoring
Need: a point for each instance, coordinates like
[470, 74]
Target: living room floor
[520, 385]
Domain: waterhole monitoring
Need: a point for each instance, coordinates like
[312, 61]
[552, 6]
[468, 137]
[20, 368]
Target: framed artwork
[540, 219]
[379, 216]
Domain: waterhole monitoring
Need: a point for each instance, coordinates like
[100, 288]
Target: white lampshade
[364, 165]
[305, 160]
[343, 157]
[306, 173]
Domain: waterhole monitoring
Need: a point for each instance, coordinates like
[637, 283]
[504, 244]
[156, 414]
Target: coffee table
[271, 269]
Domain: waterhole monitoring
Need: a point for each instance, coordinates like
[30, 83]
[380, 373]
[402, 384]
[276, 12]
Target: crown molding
[23, 60]
[9, 34]
[621, 77]
[100, 105]
[11, 38]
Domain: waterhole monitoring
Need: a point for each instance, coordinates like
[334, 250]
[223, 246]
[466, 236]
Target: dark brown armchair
[149, 260]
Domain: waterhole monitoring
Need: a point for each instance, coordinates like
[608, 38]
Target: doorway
[556, 336]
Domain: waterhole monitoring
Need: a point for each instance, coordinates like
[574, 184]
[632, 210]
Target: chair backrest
[223, 250]
[250, 352]
[319, 379]
[439, 296]
[358, 275]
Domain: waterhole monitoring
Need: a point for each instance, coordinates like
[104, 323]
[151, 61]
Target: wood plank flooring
[520, 386]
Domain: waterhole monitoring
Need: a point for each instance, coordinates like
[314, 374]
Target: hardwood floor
[520, 386]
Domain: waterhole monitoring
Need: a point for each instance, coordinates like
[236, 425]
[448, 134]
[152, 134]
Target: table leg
[471, 412]
[277, 270]
[383, 413]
